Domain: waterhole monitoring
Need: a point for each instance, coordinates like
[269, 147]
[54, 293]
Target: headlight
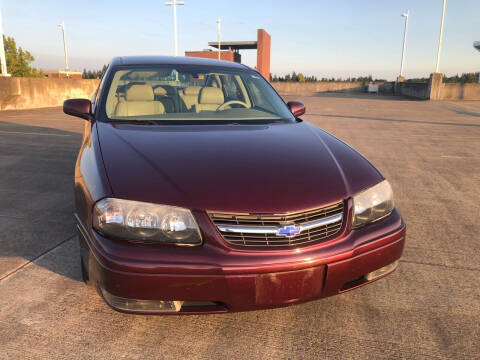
[372, 204]
[140, 221]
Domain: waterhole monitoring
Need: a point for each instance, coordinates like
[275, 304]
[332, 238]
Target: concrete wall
[387, 88]
[452, 91]
[316, 87]
[436, 89]
[457, 91]
[422, 91]
[30, 93]
[412, 90]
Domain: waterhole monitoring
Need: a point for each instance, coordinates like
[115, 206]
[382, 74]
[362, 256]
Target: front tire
[84, 270]
[84, 257]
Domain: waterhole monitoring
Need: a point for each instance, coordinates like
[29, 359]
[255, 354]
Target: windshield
[192, 94]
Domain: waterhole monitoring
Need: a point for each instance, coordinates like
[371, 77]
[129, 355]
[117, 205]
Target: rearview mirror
[296, 107]
[78, 107]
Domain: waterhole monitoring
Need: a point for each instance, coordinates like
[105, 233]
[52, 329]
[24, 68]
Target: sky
[334, 38]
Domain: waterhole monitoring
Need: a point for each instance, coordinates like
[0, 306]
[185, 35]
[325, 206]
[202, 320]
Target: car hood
[232, 168]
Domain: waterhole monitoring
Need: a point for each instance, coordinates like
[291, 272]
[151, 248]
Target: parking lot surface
[429, 308]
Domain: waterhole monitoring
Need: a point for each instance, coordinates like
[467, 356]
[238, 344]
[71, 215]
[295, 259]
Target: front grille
[265, 229]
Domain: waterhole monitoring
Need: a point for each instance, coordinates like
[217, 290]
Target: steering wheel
[231, 102]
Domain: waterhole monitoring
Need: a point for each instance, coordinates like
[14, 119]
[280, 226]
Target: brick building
[227, 55]
[230, 51]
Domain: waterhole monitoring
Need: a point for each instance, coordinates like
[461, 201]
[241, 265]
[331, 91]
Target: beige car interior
[210, 98]
[139, 98]
[169, 100]
[190, 96]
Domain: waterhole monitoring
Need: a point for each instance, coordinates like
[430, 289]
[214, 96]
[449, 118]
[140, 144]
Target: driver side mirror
[297, 108]
[81, 108]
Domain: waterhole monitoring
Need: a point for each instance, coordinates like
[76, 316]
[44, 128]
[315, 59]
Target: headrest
[139, 92]
[160, 91]
[211, 95]
[192, 90]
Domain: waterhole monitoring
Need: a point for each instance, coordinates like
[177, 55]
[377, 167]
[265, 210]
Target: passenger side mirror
[297, 108]
[78, 107]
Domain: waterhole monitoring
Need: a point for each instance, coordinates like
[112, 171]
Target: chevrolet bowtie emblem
[288, 230]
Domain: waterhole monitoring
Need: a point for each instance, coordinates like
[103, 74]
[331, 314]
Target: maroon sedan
[198, 190]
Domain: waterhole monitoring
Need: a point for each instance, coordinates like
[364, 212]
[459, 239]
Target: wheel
[83, 255]
[84, 270]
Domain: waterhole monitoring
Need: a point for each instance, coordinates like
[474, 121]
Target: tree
[300, 77]
[464, 78]
[94, 74]
[18, 60]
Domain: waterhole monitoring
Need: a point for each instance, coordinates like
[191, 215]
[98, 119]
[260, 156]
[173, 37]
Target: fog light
[382, 271]
[137, 305]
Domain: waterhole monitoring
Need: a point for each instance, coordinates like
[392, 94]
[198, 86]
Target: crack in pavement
[441, 265]
[36, 258]
[32, 133]
[423, 122]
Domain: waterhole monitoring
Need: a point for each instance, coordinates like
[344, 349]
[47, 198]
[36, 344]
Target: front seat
[190, 96]
[139, 100]
[210, 98]
[162, 95]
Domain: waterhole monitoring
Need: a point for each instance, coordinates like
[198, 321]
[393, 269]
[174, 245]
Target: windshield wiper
[135, 122]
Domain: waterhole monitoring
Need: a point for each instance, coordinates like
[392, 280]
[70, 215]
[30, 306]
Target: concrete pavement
[429, 308]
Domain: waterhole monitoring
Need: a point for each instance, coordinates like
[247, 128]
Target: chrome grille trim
[274, 230]
[266, 229]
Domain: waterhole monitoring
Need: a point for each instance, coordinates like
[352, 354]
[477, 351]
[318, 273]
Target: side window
[255, 94]
[211, 81]
[230, 88]
[255, 86]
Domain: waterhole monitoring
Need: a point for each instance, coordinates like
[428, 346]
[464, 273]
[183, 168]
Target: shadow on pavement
[469, 113]
[36, 190]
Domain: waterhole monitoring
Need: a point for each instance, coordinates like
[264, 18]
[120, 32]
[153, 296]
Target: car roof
[174, 60]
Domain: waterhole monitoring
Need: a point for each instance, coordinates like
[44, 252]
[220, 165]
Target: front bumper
[221, 280]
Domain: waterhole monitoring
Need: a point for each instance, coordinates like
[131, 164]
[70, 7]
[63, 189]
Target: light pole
[476, 45]
[62, 25]
[405, 15]
[441, 36]
[2, 50]
[174, 4]
[218, 38]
